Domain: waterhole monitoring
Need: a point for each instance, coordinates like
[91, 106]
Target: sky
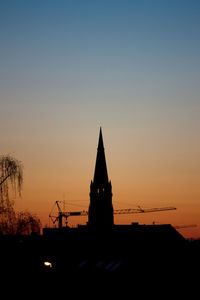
[132, 67]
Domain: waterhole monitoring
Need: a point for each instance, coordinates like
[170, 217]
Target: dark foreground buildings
[100, 254]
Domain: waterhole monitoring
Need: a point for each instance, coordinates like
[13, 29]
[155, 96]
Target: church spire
[100, 214]
[100, 173]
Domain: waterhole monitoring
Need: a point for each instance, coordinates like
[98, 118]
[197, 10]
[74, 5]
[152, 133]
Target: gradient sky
[132, 67]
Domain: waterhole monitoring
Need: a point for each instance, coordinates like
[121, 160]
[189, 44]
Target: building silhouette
[100, 214]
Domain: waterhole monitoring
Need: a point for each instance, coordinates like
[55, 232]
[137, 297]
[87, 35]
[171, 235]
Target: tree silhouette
[27, 223]
[11, 178]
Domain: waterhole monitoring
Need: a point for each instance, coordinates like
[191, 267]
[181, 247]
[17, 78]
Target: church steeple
[100, 173]
[100, 210]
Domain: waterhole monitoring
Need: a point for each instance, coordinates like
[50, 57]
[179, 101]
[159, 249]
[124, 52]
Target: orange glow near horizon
[133, 186]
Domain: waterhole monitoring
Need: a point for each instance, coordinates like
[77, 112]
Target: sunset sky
[130, 66]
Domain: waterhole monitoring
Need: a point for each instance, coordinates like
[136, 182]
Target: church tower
[100, 214]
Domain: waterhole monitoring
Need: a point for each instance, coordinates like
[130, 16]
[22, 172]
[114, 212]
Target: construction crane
[141, 210]
[61, 214]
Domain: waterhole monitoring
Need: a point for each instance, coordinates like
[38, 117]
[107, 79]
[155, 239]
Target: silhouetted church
[101, 247]
[100, 215]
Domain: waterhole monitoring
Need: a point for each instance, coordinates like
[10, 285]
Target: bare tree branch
[11, 170]
[11, 177]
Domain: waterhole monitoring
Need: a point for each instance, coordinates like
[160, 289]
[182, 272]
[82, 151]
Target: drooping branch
[11, 175]
[11, 170]
[4, 179]
[11, 222]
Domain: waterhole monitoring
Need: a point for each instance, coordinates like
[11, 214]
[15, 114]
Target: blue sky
[99, 60]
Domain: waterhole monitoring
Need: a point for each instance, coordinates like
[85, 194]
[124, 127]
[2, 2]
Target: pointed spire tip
[100, 144]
